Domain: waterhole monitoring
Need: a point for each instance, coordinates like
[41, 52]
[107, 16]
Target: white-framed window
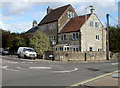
[99, 49]
[97, 37]
[91, 49]
[96, 24]
[75, 36]
[91, 24]
[61, 48]
[52, 37]
[56, 49]
[70, 14]
[63, 37]
[76, 49]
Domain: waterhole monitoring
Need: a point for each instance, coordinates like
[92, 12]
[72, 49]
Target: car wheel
[19, 56]
[33, 58]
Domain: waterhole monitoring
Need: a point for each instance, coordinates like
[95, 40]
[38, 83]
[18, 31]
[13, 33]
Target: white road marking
[114, 63]
[39, 67]
[6, 68]
[22, 62]
[18, 68]
[14, 62]
[30, 62]
[66, 71]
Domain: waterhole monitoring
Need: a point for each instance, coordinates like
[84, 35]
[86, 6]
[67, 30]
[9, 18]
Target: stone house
[54, 21]
[82, 35]
[69, 32]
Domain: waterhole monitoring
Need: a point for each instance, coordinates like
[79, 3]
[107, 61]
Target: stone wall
[88, 35]
[79, 56]
[115, 56]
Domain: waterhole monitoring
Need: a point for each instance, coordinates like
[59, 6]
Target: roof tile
[74, 24]
[54, 15]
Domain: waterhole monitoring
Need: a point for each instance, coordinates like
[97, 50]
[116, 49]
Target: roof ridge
[52, 15]
[61, 7]
[79, 21]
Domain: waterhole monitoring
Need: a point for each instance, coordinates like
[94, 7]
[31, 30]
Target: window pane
[97, 37]
[74, 49]
[73, 36]
[64, 37]
[77, 35]
[96, 24]
[91, 49]
[77, 49]
[91, 23]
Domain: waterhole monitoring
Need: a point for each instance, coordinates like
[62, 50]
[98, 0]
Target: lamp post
[107, 38]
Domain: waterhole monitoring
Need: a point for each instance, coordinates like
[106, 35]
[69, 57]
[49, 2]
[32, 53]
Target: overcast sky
[18, 15]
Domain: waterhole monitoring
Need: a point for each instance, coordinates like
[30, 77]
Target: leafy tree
[40, 42]
[6, 39]
[114, 39]
[17, 41]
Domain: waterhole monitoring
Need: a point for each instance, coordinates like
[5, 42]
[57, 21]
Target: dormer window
[70, 14]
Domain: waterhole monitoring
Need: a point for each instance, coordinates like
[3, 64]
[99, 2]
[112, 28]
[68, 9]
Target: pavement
[105, 81]
[109, 80]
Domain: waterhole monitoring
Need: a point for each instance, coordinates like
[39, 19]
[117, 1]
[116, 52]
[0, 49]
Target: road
[24, 72]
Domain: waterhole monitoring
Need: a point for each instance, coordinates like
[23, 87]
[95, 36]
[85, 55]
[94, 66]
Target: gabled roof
[32, 29]
[54, 15]
[74, 24]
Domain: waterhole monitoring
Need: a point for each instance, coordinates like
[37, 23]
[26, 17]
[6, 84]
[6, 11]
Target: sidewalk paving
[110, 81]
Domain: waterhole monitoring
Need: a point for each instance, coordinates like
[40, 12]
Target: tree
[6, 39]
[114, 39]
[40, 42]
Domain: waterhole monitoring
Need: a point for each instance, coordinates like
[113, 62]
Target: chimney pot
[92, 10]
[49, 9]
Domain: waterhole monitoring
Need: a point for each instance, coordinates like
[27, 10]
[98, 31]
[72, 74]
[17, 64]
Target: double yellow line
[89, 80]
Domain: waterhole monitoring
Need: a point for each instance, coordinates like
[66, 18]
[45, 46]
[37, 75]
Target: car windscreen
[30, 50]
[6, 50]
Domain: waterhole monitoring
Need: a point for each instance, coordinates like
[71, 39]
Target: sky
[18, 15]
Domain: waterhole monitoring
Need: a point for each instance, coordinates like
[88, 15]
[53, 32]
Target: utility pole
[107, 38]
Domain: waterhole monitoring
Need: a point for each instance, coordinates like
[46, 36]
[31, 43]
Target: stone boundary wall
[80, 56]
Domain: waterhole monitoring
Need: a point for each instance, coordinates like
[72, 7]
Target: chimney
[92, 10]
[35, 23]
[49, 9]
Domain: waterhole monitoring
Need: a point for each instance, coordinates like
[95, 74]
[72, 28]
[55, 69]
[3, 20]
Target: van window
[30, 50]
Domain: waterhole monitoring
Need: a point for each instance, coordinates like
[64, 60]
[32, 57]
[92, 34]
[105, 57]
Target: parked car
[4, 52]
[1, 50]
[26, 52]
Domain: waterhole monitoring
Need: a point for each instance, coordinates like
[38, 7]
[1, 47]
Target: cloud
[39, 15]
[13, 8]
[16, 8]
[18, 27]
[60, 0]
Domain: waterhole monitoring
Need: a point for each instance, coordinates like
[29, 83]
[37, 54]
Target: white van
[26, 52]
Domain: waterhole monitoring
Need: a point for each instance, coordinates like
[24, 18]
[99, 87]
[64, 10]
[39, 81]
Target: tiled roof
[74, 24]
[32, 29]
[54, 15]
